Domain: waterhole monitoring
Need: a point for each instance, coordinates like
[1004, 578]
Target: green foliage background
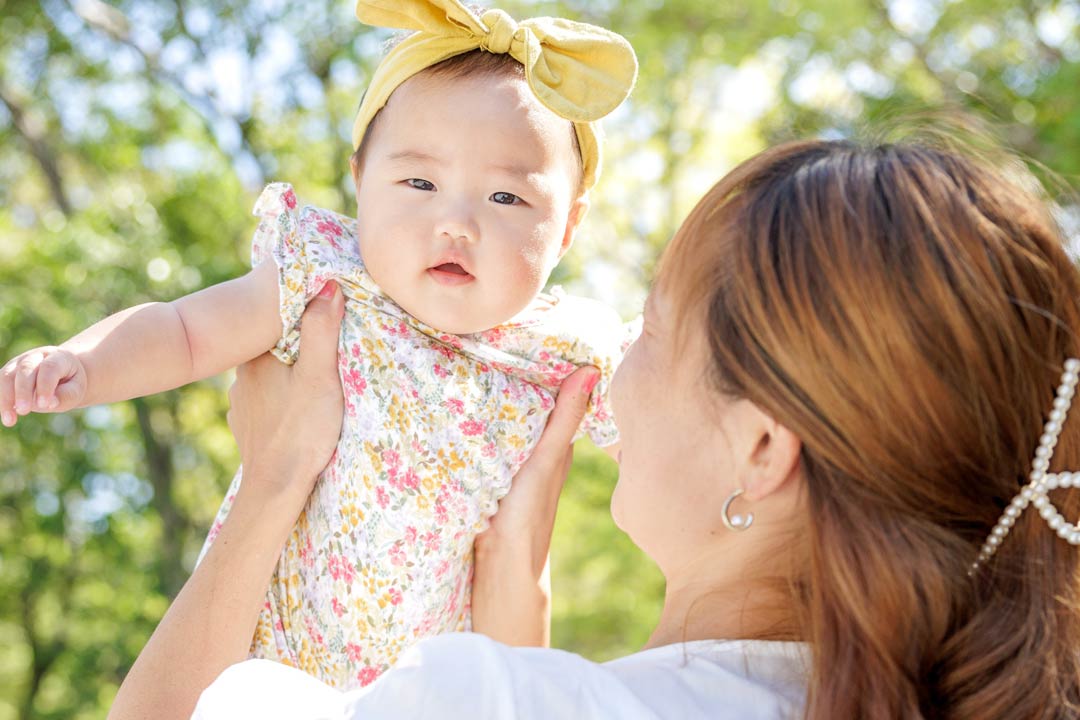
[136, 134]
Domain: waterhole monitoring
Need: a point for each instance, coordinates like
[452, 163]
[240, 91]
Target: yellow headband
[578, 71]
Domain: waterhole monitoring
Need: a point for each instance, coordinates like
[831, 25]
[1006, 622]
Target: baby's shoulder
[562, 313]
[569, 326]
[326, 236]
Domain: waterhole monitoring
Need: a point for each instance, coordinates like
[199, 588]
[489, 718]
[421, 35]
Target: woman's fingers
[565, 419]
[319, 332]
[528, 510]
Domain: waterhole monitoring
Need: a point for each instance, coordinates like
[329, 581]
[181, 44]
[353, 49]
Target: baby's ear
[578, 208]
[354, 166]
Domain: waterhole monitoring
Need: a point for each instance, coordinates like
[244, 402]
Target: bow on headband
[580, 72]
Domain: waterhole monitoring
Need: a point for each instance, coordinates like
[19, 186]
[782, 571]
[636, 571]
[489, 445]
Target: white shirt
[465, 675]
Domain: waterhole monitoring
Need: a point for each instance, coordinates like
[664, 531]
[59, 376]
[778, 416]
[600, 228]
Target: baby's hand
[45, 379]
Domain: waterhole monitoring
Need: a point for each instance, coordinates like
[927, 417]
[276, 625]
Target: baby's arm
[147, 349]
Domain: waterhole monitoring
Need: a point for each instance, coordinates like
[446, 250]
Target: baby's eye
[505, 198]
[420, 184]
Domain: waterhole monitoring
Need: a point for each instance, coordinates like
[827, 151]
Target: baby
[474, 155]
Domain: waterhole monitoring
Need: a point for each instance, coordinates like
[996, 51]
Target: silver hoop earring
[738, 523]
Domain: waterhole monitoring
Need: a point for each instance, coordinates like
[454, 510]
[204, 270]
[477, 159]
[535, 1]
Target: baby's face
[466, 199]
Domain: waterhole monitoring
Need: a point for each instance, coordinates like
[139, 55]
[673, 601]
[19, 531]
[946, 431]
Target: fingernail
[590, 384]
[8, 418]
[328, 290]
[22, 407]
[42, 402]
[54, 402]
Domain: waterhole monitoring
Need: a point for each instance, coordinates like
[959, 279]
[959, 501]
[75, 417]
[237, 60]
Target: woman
[847, 361]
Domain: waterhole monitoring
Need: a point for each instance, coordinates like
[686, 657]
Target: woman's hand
[511, 598]
[287, 420]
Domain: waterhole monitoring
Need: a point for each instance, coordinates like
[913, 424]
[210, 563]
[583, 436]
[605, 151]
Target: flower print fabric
[436, 426]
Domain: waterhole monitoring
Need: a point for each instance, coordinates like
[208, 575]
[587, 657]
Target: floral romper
[435, 427]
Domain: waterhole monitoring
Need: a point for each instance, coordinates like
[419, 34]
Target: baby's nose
[458, 224]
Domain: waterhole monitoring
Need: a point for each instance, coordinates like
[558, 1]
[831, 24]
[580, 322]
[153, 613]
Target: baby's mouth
[452, 268]
[451, 274]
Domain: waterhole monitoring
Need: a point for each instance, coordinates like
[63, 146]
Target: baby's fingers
[25, 378]
[7, 394]
[54, 386]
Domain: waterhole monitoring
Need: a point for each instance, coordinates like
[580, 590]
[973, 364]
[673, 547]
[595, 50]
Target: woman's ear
[773, 456]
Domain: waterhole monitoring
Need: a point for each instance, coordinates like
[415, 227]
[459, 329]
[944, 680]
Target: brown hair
[906, 311]
[473, 63]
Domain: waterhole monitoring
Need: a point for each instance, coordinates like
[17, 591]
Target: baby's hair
[471, 64]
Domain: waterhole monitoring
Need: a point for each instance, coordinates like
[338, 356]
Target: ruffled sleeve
[599, 423]
[310, 246]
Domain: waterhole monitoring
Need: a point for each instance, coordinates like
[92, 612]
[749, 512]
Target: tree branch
[41, 151]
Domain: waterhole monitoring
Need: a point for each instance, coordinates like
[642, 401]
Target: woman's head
[905, 312]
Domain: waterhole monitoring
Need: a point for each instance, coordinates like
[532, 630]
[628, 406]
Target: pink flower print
[306, 550]
[337, 607]
[382, 497]
[214, 530]
[328, 228]
[564, 368]
[440, 371]
[455, 406]
[313, 632]
[452, 340]
[339, 568]
[330, 233]
[391, 458]
[410, 534]
[399, 330]
[472, 427]
[395, 596]
[440, 572]
[445, 352]
[411, 480]
[440, 512]
[289, 198]
[354, 381]
[395, 479]
[545, 355]
[354, 652]
[483, 368]
[488, 450]
[355, 350]
[367, 675]
[431, 541]
[397, 556]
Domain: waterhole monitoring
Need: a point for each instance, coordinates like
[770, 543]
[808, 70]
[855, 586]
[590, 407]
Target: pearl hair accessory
[1040, 480]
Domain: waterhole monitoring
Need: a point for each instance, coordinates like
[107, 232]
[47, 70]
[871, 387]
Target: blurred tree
[135, 135]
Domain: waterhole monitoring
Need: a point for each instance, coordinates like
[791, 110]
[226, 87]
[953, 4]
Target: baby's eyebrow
[524, 172]
[412, 155]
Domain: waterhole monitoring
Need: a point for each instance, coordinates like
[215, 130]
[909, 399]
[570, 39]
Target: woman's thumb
[320, 328]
